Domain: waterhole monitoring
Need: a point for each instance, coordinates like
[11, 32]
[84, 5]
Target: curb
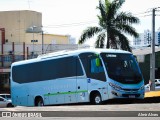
[152, 94]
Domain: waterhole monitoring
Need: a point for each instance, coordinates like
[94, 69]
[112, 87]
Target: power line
[148, 11]
[144, 15]
[86, 22]
[70, 24]
[57, 26]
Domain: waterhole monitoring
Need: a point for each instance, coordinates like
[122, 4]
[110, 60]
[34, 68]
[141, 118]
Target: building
[144, 39]
[138, 41]
[25, 26]
[21, 37]
[18, 23]
[143, 58]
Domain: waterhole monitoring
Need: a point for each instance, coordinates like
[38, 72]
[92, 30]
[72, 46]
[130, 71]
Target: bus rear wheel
[39, 102]
[96, 99]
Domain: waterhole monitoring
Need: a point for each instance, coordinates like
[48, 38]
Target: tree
[113, 25]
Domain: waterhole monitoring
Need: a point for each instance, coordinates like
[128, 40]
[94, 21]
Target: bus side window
[94, 68]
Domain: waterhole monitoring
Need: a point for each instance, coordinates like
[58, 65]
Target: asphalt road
[144, 110]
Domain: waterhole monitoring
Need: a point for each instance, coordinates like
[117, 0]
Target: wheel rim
[40, 103]
[97, 99]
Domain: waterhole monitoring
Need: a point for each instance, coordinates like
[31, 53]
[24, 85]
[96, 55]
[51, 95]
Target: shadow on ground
[132, 101]
[120, 101]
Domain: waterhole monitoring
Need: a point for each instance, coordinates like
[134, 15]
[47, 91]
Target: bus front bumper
[139, 94]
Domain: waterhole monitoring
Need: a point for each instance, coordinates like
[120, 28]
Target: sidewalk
[152, 94]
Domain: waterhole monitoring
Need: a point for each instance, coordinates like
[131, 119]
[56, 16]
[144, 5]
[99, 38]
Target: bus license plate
[131, 96]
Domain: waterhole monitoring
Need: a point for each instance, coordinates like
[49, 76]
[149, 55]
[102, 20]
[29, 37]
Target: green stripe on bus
[74, 92]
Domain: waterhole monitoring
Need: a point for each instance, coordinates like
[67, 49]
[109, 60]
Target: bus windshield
[122, 67]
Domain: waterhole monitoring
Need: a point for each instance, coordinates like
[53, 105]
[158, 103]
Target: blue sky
[73, 16]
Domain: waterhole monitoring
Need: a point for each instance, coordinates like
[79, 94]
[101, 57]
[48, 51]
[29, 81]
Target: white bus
[89, 75]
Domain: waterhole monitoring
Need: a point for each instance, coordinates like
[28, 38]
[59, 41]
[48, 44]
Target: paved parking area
[113, 110]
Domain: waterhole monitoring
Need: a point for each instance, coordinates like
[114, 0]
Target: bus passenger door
[82, 89]
[82, 85]
[95, 74]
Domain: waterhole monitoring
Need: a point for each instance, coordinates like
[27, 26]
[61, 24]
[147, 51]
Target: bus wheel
[96, 99]
[39, 102]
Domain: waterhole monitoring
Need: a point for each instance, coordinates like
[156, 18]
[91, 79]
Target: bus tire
[39, 102]
[96, 99]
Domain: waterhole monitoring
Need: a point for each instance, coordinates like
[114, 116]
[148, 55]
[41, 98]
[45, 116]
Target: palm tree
[113, 24]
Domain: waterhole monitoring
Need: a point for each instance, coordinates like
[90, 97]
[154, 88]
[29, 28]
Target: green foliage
[113, 24]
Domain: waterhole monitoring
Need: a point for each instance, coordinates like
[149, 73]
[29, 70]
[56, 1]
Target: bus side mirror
[136, 58]
[98, 64]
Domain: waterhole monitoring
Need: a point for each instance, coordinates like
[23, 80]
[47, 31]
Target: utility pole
[152, 59]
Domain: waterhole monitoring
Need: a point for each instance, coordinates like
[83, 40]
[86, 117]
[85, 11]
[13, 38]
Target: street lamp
[42, 43]
[33, 39]
[42, 32]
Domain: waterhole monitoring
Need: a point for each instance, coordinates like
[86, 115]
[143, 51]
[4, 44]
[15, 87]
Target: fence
[16, 52]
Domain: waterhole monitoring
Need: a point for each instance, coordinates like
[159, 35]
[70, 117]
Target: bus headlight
[116, 87]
